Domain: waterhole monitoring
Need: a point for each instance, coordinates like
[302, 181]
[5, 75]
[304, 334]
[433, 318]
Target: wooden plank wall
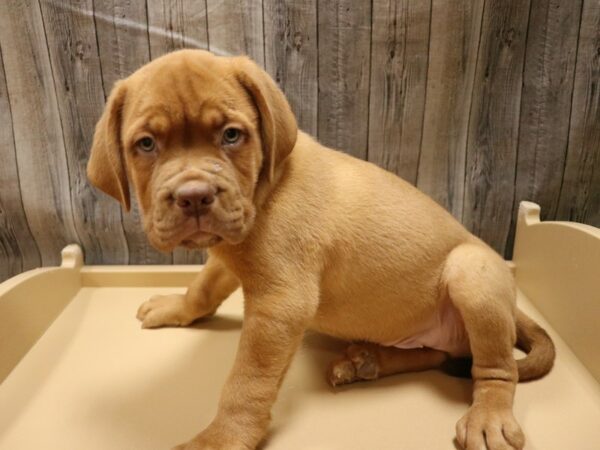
[479, 103]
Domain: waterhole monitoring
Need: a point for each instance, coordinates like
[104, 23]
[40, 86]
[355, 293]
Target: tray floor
[97, 381]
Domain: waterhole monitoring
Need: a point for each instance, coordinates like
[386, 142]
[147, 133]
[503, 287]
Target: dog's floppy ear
[106, 167]
[278, 123]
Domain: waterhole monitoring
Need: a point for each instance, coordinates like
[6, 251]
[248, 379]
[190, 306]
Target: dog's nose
[194, 197]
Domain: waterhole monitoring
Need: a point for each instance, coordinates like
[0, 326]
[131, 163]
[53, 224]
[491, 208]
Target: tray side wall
[29, 303]
[558, 268]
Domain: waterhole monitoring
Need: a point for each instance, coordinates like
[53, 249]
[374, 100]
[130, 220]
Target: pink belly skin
[445, 331]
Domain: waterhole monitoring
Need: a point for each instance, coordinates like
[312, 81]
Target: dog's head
[193, 134]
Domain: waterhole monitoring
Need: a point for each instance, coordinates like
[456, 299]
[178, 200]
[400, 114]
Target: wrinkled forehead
[178, 93]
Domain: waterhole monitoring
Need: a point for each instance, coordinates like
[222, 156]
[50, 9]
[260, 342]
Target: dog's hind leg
[371, 361]
[482, 288]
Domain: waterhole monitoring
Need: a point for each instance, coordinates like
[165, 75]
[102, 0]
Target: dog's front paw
[484, 428]
[167, 310]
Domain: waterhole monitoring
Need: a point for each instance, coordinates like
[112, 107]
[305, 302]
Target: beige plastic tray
[79, 373]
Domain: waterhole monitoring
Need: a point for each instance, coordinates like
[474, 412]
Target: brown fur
[316, 238]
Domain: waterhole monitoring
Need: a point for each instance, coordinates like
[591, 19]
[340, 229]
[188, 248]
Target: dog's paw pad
[360, 363]
[365, 362]
[341, 372]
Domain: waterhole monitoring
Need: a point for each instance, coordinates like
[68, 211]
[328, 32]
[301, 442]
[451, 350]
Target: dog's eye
[146, 144]
[231, 136]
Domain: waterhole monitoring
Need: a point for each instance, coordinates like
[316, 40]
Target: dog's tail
[533, 340]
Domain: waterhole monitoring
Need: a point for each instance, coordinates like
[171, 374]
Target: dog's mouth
[191, 233]
[167, 230]
[200, 239]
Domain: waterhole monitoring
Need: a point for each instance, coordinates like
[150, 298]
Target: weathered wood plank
[291, 55]
[545, 105]
[454, 43]
[39, 145]
[172, 25]
[494, 122]
[344, 29]
[235, 27]
[11, 257]
[546, 101]
[400, 40]
[176, 24]
[580, 193]
[71, 38]
[122, 34]
[18, 250]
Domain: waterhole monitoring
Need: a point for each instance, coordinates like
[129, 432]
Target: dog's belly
[355, 306]
[393, 305]
[443, 329]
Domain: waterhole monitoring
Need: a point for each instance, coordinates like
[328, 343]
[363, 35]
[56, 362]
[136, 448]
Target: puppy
[315, 238]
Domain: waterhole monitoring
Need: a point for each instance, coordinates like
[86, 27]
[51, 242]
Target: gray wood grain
[494, 122]
[18, 249]
[123, 43]
[42, 166]
[546, 105]
[480, 103]
[580, 193]
[176, 24]
[122, 35]
[291, 55]
[344, 45]
[71, 38]
[399, 59]
[454, 43]
[235, 27]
